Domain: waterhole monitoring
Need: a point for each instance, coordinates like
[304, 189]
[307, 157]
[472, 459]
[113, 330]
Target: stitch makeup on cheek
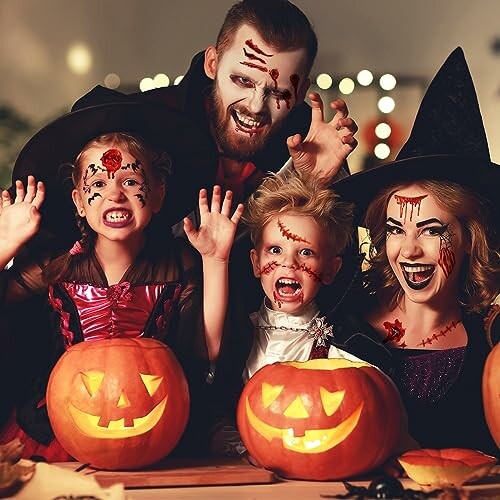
[309, 271]
[446, 255]
[269, 267]
[404, 201]
[288, 234]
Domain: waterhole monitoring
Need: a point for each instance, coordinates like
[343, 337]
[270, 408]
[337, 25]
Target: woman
[434, 261]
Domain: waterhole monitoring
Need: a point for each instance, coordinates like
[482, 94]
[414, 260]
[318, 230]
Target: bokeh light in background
[383, 130]
[178, 79]
[386, 104]
[79, 58]
[346, 86]
[365, 77]
[112, 81]
[324, 81]
[382, 151]
[387, 82]
[147, 84]
[161, 80]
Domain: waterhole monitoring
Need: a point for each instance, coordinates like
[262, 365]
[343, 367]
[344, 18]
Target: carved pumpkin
[118, 404]
[449, 467]
[491, 393]
[320, 419]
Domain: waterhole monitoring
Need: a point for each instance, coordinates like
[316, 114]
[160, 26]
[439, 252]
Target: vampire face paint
[293, 261]
[254, 90]
[115, 194]
[425, 246]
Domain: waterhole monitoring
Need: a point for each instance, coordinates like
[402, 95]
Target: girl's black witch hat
[192, 151]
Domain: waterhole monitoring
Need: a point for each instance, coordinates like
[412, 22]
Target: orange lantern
[491, 392]
[320, 419]
[119, 403]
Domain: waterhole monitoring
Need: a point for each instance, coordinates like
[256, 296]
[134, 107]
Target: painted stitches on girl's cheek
[395, 332]
[288, 234]
[404, 201]
[446, 255]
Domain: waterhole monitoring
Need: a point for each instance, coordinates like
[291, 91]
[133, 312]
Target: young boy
[299, 231]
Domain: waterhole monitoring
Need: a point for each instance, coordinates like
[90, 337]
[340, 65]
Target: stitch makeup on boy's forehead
[288, 234]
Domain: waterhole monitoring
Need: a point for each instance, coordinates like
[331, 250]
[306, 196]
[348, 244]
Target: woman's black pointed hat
[101, 110]
[447, 142]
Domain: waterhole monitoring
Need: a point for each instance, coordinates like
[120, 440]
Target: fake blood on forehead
[404, 201]
[256, 48]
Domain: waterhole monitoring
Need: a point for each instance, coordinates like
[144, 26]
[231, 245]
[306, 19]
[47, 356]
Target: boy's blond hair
[290, 194]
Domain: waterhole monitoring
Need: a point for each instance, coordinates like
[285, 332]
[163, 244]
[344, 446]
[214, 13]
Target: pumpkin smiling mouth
[313, 440]
[116, 428]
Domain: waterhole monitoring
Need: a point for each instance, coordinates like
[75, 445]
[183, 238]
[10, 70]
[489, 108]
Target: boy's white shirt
[284, 343]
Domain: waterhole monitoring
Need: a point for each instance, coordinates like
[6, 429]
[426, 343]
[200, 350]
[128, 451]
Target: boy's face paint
[425, 246]
[293, 261]
[255, 88]
[115, 193]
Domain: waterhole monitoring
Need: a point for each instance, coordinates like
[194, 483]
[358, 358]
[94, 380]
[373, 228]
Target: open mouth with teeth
[418, 276]
[117, 218]
[288, 289]
[245, 123]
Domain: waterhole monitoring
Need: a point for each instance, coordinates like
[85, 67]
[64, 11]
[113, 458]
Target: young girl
[125, 276]
[434, 263]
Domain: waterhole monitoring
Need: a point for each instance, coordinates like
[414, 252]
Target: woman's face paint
[293, 261]
[425, 246]
[255, 89]
[115, 194]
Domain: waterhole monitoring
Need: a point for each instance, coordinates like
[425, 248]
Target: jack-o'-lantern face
[322, 419]
[109, 410]
[109, 396]
[298, 413]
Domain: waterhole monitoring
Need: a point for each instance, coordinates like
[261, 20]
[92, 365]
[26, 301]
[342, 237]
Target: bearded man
[249, 90]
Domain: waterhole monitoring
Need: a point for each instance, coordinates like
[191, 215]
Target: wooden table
[236, 479]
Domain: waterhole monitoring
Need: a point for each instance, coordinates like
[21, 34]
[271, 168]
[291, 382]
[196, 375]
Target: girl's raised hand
[20, 218]
[215, 236]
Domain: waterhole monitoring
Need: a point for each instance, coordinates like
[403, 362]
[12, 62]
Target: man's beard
[238, 146]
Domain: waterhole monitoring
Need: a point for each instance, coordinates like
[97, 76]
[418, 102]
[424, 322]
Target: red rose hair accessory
[76, 248]
[112, 161]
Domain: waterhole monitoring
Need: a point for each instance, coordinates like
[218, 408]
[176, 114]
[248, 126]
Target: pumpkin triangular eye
[152, 382]
[92, 380]
[270, 393]
[331, 400]
[123, 402]
[296, 409]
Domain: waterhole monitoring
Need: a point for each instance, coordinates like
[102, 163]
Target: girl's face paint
[255, 88]
[115, 193]
[293, 261]
[425, 246]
